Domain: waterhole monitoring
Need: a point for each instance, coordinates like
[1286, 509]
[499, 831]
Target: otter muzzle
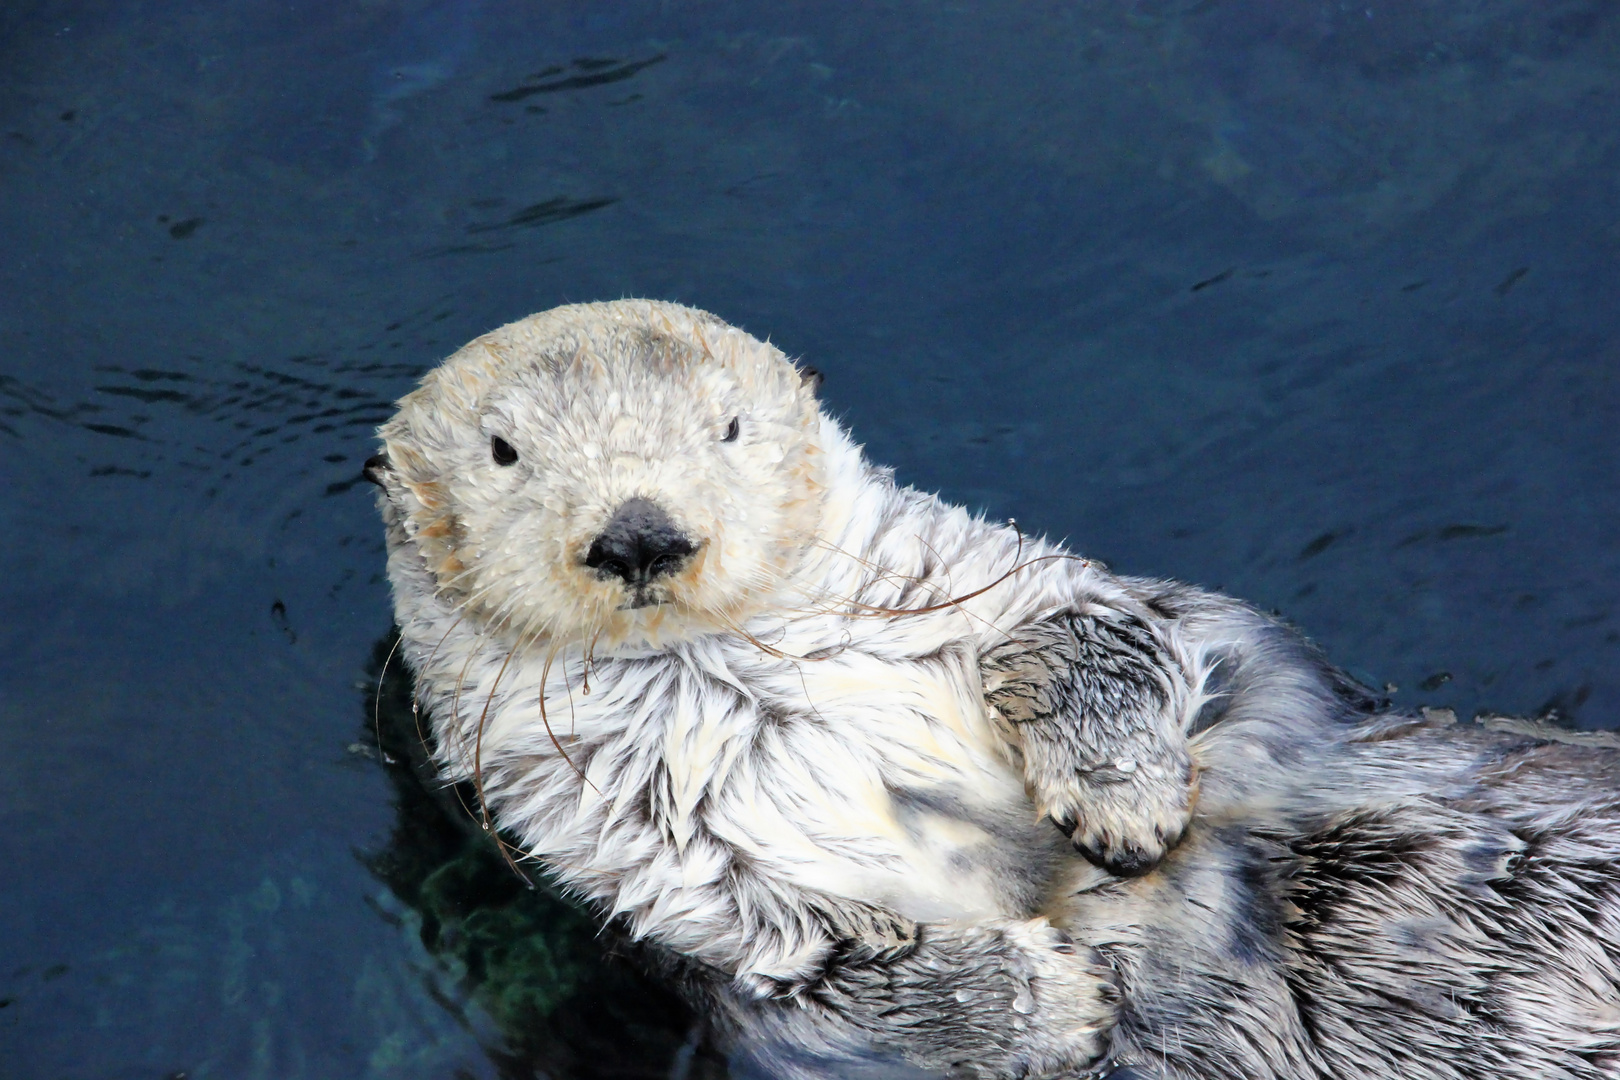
[639, 544]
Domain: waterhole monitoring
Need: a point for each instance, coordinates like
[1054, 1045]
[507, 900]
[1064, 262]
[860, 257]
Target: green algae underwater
[552, 993]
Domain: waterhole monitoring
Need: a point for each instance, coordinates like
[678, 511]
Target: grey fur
[1090, 698]
[993, 999]
[1367, 894]
[1362, 894]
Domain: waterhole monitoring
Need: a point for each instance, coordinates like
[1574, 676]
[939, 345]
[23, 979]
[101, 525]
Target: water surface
[1312, 301]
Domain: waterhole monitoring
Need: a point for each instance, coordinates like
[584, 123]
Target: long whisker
[503, 617]
[498, 621]
[499, 624]
[453, 728]
[876, 611]
[883, 574]
[478, 772]
[545, 676]
[376, 700]
[773, 651]
[849, 607]
[951, 587]
[589, 662]
[883, 571]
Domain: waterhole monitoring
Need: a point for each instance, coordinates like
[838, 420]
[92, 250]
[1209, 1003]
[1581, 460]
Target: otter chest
[865, 777]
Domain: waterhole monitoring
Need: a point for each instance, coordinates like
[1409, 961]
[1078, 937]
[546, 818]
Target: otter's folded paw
[1001, 1000]
[1124, 815]
[1065, 1001]
[865, 932]
[839, 933]
[1096, 707]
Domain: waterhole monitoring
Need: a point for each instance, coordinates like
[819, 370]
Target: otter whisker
[376, 700]
[836, 603]
[774, 652]
[876, 611]
[504, 615]
[879, 611]
[589, 663]
[545, 677]
[455, 698]
[768, 650]
[950, 582]
[884, 573]
[808, 700]
[455, 728]
[573, 715]
[478, 772]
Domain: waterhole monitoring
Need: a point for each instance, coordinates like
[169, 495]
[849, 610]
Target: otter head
[623, 472]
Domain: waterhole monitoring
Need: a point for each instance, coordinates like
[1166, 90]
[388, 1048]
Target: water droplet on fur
[963, 997]
[1023, 1001]
[1125, 765]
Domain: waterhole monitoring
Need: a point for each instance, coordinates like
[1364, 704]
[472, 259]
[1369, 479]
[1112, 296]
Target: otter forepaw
[1065, 1000]
[1008, 999]
[1125, 816]
[866, 932]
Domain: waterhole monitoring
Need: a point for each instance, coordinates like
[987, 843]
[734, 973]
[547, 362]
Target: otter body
[806, 733]
[1405, 898]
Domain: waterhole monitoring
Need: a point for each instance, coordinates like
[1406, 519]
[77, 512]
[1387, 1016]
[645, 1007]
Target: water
[1311, 301]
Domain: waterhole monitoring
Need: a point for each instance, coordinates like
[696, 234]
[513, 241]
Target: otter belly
[888, 786]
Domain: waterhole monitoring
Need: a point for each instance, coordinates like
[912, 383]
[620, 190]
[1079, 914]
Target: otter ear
[379, 470]
[813, 378]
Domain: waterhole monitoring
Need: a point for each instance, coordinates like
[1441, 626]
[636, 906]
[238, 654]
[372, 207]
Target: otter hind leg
[1424, 939]
[1477, 923]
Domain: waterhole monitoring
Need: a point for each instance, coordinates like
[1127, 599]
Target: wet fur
[811, 775]
[1374, 895]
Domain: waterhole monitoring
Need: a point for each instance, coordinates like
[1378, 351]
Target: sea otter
[806, 732]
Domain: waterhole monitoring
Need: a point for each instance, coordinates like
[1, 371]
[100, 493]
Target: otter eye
[733, 429]
[502, 451]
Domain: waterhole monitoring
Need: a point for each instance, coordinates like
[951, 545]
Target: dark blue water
[1317, 302]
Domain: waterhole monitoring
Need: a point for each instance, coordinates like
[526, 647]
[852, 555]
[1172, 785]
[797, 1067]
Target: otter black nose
[639, 543]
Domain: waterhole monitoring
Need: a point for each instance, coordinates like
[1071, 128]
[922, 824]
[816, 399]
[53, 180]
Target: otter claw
[1127, 861]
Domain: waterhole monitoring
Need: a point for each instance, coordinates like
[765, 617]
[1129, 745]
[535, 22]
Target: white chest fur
[830, 746]
[847, 773]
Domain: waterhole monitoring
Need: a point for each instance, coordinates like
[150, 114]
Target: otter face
[632, 471]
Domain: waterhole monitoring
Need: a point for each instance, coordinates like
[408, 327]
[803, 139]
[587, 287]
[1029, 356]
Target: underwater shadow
[548, 993]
